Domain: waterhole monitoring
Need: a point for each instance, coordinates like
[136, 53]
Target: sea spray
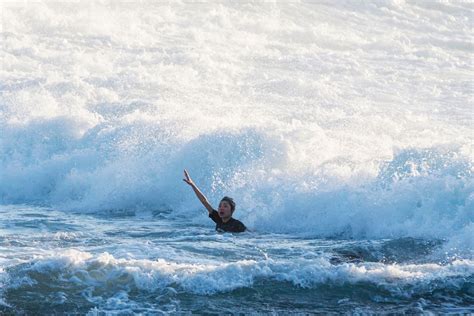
[342, 130]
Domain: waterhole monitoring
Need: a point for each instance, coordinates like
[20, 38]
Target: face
[225, 210]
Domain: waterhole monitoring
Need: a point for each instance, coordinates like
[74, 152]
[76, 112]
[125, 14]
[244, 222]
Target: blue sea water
[343, 130]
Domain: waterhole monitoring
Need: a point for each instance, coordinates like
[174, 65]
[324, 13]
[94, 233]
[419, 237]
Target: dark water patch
[34, 215]
[111, 214]
[148, 233]
[46, 225]
[13, 242]
[408, 250]
[355, 252]
[401, 250]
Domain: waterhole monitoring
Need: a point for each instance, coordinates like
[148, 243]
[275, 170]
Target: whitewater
[342, 129]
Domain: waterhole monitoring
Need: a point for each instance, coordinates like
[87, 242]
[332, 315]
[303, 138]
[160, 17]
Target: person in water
[223, 218]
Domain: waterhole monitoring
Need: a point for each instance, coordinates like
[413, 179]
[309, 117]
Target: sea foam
[105, 273]
[327, 120]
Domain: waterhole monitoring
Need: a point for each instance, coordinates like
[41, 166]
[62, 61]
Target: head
[226, 207]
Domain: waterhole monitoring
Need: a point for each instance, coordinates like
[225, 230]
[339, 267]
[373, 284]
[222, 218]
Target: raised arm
[198, 192]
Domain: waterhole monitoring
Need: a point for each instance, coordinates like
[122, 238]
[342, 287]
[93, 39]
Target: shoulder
[238, 225]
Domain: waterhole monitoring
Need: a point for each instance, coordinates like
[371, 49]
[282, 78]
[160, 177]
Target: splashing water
[343, 131]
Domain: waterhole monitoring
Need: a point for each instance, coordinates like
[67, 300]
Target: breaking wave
[311, 133]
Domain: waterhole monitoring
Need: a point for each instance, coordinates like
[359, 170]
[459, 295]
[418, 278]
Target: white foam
[103, 271]
[324, 119]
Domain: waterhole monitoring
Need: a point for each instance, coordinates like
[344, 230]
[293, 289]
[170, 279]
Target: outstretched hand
[187, 178]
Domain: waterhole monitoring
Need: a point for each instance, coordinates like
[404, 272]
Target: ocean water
[343, 130]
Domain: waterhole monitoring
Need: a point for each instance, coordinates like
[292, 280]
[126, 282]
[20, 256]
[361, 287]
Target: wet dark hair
[230, 201]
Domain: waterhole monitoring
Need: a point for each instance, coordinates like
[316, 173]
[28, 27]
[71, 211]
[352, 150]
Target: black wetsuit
[232, 225]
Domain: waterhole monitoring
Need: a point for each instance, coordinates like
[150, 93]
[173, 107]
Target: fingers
[187, 179]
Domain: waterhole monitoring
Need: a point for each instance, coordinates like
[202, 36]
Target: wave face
[328, 119]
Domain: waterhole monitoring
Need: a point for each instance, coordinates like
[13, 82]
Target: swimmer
[223, 218]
